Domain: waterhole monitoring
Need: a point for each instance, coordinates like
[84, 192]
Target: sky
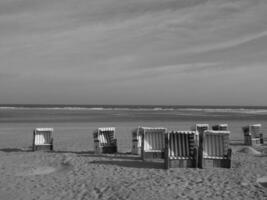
[178, 52]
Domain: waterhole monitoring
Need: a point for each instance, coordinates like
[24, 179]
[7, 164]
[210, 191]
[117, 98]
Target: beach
[73, 171]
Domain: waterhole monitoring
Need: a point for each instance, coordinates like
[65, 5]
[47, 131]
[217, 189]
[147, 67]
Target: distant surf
[203, 109]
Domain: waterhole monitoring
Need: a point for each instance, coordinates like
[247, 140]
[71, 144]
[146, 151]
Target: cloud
[70, 44]
[226, 44]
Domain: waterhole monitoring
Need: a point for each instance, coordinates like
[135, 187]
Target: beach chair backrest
[42, 136]
[153, 138]
[215, 144]
[105, 136]
[181, 144]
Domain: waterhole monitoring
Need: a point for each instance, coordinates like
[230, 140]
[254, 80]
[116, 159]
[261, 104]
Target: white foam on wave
[204, 110]
[226, 110]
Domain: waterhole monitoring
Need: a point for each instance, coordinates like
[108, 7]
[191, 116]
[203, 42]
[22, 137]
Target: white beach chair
[214, 149]
[220, 127]
[42, 139]
[181, 149]
[153, 144]
[253, 135]
[199, 128]
[105, 140]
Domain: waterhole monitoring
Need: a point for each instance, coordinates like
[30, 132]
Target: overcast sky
[200, 52]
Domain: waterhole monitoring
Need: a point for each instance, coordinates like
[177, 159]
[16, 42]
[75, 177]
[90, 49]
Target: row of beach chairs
[198, 147]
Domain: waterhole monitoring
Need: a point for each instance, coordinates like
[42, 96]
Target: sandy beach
[76, 66]
[84, 175]
[73, 171]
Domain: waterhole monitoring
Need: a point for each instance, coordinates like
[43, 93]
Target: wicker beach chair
[105, 140]
[153, 144]
[199, 128]
[136, 141]
[181, 149]
[214, 149]
[253, 135]
[220, 127]
[42, 139]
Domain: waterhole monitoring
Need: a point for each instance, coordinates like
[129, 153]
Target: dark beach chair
[181, 149]
[220, 127]
[214, 149]
[105, 140]
[253, 135]
[136, 141]
[153, 144]
[42, 139]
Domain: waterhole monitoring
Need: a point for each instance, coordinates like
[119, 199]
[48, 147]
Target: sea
[74, 124]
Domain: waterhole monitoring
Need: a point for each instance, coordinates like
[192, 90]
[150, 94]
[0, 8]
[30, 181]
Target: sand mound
[249, 150]
[262, 181]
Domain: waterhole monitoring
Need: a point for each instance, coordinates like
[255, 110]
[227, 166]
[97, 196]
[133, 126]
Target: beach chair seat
[105, 140]
[153, 144]
[42, 139]
[181, 149]
[253, 135]
[136, 141]
[220, 127]
[214, 149]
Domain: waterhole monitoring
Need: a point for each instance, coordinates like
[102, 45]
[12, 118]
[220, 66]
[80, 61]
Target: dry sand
[82, 175]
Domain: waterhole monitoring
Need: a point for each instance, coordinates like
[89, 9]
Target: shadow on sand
[111, 156]
[9, 150]
[132, 163]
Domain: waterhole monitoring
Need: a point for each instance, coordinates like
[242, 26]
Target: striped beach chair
[153, 144]
[181, 149]
[220, 127]
[214, 149]
[105, 140]
[42, 139]
[136, 141]
[253, 135]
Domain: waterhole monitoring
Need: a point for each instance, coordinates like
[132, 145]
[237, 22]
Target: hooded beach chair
[136, 141]
[42, 139]
[105, 140]
[253, 135]
[220, 127]
[181, 149]
[214, 149]
[153, 144]
[199, 128]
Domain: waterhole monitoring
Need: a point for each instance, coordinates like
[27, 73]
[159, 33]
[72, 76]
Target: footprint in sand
[42, 170]
[31, 171]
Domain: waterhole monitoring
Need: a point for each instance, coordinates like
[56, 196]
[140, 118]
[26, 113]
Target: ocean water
[74, 124]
